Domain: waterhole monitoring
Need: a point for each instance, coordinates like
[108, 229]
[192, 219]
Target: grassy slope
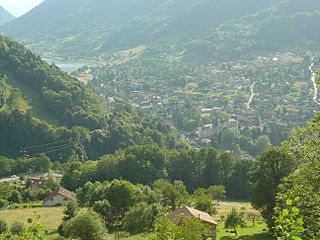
[32, 102]
[52, 217]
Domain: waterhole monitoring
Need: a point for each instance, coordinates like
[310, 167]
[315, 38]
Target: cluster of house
[59, 197]
[214, 129]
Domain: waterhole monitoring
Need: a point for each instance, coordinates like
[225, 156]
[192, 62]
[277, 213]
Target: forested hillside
[288, 25]
[5, 16]
[203, 28]
[40, 104]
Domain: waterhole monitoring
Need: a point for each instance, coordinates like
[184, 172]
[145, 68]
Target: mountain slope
[35, 95]
[70, 26]
[202, 28]
[287, 25]
[5, 16]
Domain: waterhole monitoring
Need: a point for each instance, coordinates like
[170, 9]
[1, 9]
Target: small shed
[59, 197]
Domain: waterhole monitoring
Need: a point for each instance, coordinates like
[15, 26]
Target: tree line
[146, 163]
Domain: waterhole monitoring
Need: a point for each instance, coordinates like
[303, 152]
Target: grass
[50, 219]
[249, 233]
[125, 56]
[32, 101]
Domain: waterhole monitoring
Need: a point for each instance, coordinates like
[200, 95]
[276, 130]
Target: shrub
[17, 228]
[3, 226]
[85, 226]
[140, 217]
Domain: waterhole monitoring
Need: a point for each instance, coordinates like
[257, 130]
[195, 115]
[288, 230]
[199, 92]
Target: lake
[72, 65]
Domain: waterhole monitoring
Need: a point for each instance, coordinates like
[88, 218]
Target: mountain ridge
[5, 16]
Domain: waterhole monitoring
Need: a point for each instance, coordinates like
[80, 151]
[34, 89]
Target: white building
[211, 130]
[59, 197]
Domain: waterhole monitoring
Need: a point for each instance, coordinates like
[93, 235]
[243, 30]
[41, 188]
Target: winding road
[313, 79]
[251, 95]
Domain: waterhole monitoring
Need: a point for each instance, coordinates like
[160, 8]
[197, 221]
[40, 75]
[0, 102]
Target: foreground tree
[234, 220]
[297, 211]
[273, 165]
[85, 226]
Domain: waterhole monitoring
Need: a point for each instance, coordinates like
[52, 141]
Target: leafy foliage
[288, 224]
[190, 229]
[297, 207]
[141, 217]
[85, 127]
[17, 228]
[272, 166]
[3, 226]
[85, 226]
[235, 219]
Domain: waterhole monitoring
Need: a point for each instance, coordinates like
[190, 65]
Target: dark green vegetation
[297, 206]
[290, 202]
[5, 16]
[201, 28]
[175, 59]
[39, 104]
[50, 120]
[145, 164]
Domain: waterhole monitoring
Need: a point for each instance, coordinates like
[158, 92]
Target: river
[251, 96]
[70, 66]
[314, 82]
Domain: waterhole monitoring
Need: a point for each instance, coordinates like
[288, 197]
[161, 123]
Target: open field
[50, 218]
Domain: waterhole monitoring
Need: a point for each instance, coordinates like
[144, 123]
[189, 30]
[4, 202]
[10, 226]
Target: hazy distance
[19, 7]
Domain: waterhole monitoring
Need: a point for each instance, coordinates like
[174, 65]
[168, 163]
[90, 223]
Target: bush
[85, 226]
[17, 228]
[3, 226]
[140, 217]
[3, 203]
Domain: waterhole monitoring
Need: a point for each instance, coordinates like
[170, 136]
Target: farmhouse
[187, 212]
[59, 197]
[37, 184]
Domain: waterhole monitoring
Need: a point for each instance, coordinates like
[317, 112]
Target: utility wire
[53, 143]
[55, 146]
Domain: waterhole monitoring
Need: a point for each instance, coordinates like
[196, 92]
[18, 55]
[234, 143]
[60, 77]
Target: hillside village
[159, 120]
[216, 92]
